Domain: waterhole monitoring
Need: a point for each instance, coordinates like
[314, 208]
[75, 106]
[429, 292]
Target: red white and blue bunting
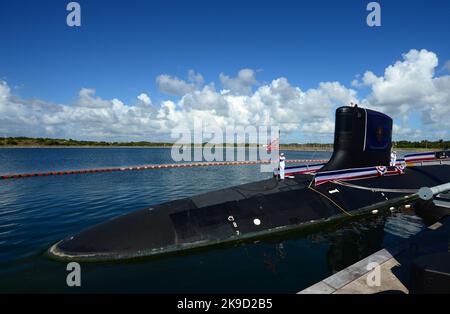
[420, 157]
[363, 173]
[357, 173]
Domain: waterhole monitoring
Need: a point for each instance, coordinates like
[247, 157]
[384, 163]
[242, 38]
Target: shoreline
[151, 147]
[308, 149]
[81, 146]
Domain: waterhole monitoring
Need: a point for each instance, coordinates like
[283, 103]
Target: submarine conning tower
[362, 138]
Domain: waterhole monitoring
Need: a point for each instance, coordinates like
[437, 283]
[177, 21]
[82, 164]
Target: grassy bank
[12, 142]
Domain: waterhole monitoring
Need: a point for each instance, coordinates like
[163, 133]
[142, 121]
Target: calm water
[36, 212]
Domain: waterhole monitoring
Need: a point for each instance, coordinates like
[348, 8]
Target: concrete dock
[386, 271]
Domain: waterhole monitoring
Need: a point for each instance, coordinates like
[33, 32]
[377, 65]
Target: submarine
[359, 179]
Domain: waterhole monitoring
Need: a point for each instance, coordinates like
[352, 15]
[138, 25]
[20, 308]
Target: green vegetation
[431, 145]
[307, 147]
[52, 142]
[32, 142]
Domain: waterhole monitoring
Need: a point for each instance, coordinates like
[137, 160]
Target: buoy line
[162, 166]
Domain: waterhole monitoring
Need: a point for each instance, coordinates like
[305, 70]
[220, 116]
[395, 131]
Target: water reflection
[355, 240]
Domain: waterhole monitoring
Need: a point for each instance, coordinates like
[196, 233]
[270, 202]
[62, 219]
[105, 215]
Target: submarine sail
[362, 138]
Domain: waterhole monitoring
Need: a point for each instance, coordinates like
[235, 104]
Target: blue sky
[122, 46]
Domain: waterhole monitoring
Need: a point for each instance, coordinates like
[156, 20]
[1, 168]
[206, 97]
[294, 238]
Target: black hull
[229, 215]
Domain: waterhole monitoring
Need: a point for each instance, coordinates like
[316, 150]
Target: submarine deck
[240, 213]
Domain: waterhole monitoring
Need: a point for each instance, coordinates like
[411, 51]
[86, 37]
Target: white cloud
[402, 132]
[88, 99]
[173, 86]
[145, 99]
[242, 84]
[408, 89]
[4, 91]
[405, 82]
[195, 78]
[355, 83]
[280, 101]
[176, 87]
[90, 117]
[410, 86]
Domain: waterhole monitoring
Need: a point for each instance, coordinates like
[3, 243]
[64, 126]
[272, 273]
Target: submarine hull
[238, 213]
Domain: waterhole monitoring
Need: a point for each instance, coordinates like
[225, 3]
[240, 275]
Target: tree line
[29, 141]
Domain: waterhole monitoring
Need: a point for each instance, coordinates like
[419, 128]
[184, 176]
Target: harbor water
[37, 212]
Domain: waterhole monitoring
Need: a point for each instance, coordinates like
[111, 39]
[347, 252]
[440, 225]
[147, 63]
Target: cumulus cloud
[411, 86]
[90, 117]
[405, 82]
[402, 132]
[242, 84]
[94, 117]
[4, 91]
[283, 103]
[176, 87]
[173, 86]
[144, 99]
[407, 89]
[205, 99]
[195, 78]
[88, 99]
